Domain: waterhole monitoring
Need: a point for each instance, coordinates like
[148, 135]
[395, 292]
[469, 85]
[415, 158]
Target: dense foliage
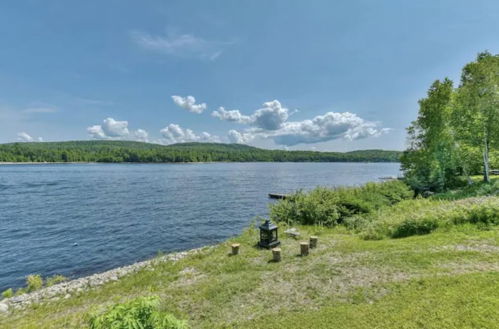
[329, 207]
[457, 131]
[140, 313]
[382, 210]
[126, 151]
[423, 216]
[468, 191]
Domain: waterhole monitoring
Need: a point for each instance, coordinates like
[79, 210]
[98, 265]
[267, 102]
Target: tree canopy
[127, 151]
[457, 130]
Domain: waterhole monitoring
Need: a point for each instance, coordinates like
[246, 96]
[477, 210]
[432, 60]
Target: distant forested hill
[126, 151]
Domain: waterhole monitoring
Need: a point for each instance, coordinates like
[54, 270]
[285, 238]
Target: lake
[79, 219]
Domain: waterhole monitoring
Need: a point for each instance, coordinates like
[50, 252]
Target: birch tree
[430, 161]
[475, 117]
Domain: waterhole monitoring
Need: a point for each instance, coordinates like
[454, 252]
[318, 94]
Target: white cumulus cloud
[231, 116]
[173, 133]
[141, 135]
[322, 128]
[114, 129]
[270, 117]
[239, 137]
[96, 132]
[25, 137]
[189, 103]
[271, 121]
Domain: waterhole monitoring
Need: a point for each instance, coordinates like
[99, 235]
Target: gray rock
[4, 308]
[65, 289]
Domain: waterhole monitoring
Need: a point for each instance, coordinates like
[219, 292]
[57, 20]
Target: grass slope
[426, 303]
[447, 279]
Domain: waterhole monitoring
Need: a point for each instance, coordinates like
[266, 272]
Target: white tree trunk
[486, 169]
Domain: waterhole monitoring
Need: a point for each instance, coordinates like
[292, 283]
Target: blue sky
[325, 75]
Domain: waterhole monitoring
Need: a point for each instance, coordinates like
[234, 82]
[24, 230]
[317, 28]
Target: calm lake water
[121, 213]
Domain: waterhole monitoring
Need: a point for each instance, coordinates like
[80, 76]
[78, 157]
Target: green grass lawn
[446, 279]
[463, 301]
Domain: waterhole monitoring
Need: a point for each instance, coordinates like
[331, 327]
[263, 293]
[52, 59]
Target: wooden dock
[277, 196]
[387, 178]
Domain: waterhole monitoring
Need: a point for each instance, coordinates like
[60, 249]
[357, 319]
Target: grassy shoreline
[444, 278]
[214, 290]
[52, 292]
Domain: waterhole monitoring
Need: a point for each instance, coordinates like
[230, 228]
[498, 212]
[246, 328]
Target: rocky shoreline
[66, 289]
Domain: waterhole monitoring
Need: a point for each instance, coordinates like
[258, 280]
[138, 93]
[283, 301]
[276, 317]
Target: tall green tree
[430, 161]
[476, 114]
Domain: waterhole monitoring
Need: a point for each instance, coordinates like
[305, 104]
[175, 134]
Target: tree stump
[276, 254]
[313, 241]
[304, 248]
[235, 249]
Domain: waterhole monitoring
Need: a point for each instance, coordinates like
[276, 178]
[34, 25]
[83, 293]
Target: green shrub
[422, 216]
[476, 189]
[8, 293]
[55, 280]
[356, 223]
[140, 313]
[415, 227]
[486, 213]
[33, 282]
[329, 207]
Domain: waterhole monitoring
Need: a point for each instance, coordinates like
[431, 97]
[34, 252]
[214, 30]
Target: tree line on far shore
[456, 134]
[127, 151]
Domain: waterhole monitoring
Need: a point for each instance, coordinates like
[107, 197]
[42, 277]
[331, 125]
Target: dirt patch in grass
[470, 267]
[312, 283]
[188, 277]
[479, 247]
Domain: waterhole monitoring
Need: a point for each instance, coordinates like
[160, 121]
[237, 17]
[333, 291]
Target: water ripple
[119, 214]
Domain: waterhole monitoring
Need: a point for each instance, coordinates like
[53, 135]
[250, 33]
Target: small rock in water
[75, 244]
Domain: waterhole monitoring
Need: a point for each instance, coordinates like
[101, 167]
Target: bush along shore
[383, 258]
[378, 211]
